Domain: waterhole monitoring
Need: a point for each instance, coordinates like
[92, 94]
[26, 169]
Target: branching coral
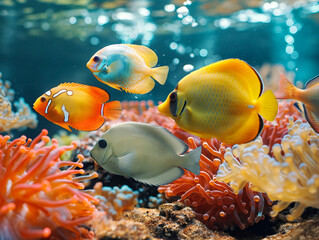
[114, 200]
[292, 175]
[214, 201]
[37, 199]
[24, 117]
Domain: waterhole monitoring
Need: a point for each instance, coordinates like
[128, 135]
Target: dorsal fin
[312, 82]
[239, 70]
[147, 54]
[98, 93]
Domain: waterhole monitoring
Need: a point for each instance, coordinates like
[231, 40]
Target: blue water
[44, 43]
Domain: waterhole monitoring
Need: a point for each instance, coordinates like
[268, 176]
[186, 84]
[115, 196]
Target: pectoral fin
[126, 163]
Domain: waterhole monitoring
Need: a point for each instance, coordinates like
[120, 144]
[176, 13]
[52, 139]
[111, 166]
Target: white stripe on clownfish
[102, 109]
[59, 92]
[70, 93]
[48, 93]
[47, 107]
[66, 113]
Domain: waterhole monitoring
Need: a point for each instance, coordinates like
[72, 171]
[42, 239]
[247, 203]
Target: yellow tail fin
[267, 105]
[160, 74]
[112, 110]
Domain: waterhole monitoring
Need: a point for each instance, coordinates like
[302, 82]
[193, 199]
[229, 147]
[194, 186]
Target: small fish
[127, 67]
[78, 106]
[309, 97]
[222, 100]
[145, 152]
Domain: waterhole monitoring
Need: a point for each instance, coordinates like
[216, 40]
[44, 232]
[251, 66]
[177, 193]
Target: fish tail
[286, 88]
[112, 110]
[160, 74]
[267, 105]
[191, 163]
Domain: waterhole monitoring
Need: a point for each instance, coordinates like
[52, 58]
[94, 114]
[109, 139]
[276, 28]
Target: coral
[214, 201]
[37, 199]
[114, 200]
[292, 175]
[9, 119]
[274, 131]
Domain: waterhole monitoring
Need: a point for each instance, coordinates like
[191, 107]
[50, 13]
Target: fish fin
[160, 74]
[125, 163]
[164, 178]
[100, 94]
[146, 53]
[312, 82]
[115, 66]
[143, 86]
[286, 88]
[64, 125]
[191, 161]
[267, 105]
[248, 131]
[312, 118]
[240, 71]
[112, 110]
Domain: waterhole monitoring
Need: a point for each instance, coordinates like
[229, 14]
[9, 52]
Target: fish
[308, 96]
[127, 67]
[76, 105]
[148, 153]
[224, 100]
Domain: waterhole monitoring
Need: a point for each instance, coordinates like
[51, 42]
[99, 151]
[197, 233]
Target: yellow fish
[309, 97]
[222, 100]
[127, 67]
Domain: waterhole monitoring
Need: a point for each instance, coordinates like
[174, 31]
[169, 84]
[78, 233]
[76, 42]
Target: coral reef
[24, 117]
[214, 202]
[37, 199]
[274, 131]
[114, 200]
[292, 175]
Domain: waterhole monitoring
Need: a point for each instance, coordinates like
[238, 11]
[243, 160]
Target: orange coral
[37, 199]
[214, 202]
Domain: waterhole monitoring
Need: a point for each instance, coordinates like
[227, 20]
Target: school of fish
[224, 100]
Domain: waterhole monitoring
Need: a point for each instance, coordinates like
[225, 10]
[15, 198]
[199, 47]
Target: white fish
[145, 152]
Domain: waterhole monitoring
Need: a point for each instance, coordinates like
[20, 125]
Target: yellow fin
[248, 131]
[64, 125]
[241, 71]
[146, 53]
[267, 105]
[112, 110]
[143, 86]
[160, 74]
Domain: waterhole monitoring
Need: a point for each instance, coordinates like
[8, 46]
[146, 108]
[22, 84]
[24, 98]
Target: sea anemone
[214, 202]
[292, 175]
[37, 199]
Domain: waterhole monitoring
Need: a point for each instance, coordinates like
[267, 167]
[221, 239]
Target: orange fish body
[308, 96]
[78, 106]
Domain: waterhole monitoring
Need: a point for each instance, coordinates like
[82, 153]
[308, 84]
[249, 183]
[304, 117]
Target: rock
[124, 230]
[173, 221]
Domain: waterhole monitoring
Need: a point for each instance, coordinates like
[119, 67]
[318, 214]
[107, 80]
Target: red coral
[37, 199]
[214, 202]
[274, 131]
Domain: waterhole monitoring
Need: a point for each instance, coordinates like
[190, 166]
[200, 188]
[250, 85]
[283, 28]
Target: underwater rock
[173, 221]
[124, 230]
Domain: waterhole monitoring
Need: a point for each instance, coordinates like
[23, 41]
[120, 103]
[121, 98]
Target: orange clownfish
[78, 106]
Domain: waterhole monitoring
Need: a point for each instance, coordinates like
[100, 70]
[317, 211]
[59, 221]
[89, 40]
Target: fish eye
[96, 59]
[42, 99]
[102, 143]
[173, 96]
